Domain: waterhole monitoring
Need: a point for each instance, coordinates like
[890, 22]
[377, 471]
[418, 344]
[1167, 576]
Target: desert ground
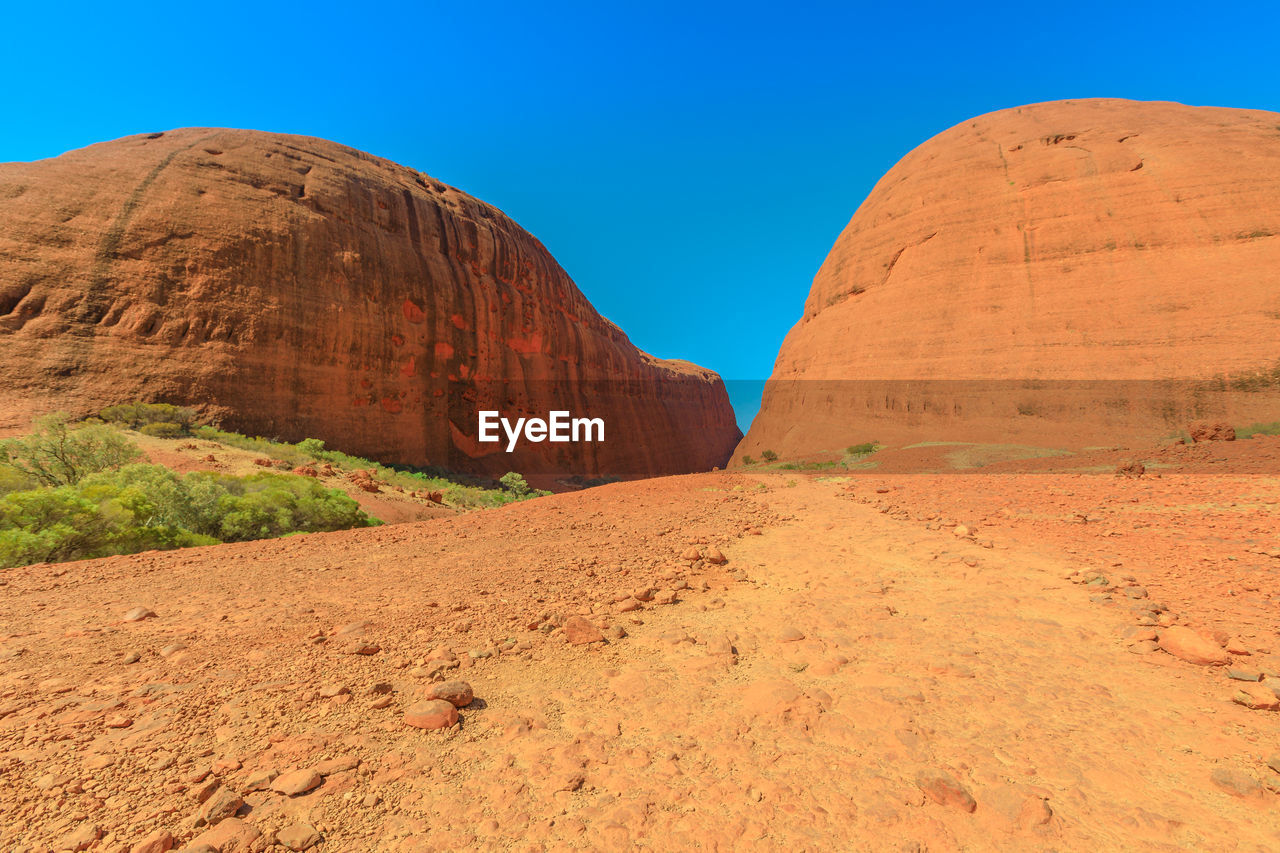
[1045, 655]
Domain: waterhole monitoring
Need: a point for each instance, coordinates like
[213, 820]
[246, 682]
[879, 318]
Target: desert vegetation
[71, 491]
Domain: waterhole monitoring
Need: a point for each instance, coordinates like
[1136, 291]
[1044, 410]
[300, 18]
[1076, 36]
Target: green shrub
[747, 460]
[862, 449]
[1272, 428]
[140, 415]
[515, 484]
[57, 454]
[13, 480]
[163, 429]
[769, 456]
[144, 507]
[313, 447]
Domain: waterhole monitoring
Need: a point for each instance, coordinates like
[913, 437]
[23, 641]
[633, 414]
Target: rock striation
[1073, 272]
[294, 287]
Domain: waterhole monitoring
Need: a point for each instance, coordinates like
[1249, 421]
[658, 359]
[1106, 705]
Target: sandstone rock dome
[1065, 273]
[295, 287]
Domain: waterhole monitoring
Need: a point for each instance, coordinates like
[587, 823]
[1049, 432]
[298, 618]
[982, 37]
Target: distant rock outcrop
[1068, 273]
[297, 288]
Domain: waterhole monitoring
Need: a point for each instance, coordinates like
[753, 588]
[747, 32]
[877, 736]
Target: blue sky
[689, 164]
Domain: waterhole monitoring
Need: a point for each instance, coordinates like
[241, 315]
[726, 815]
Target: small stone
[1135, 592]
[691, 555]
[1035, 812]
[223, 803]
[296, 782]
[1143, 647]
[1274, 762]
[361, 647]
[431, 714]
[81, 838]
[616, 632]
[370, 800]
[197, 774]
[715, 557]
[204, 790]
[960, 531]
[1236, 647]
[457, 693]
[381, 702]
[137, 614]
[172, 649]
[790, 634]
[627, 605]
[337, 765]
[298, 836]
[119, 721]
[260, 780]
[1183, 643]
[132, 657]
[160, 841]
[380, 688]
[943, 788]
[1242, 675]
[1236, 782]
[328, 691]
[1257, 697]
[230, 834]
[578, 631]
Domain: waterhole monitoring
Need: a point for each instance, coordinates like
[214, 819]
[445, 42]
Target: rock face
[1068, 271]
[294, 287]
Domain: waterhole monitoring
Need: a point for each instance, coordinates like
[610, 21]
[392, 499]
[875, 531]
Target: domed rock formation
[294, 287]
[1065, 273]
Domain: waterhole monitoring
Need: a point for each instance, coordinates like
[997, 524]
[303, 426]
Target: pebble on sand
[1181, 642]
[1236, 782]
[296, 782]
[1257, 697]
[578, 631]
[790, 634]
[945, 790]
[160, 841]
[298, 836]
[457, 693]
[431, 714]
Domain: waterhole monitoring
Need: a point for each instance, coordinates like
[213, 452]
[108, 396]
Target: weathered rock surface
[295, 287]
[1075, 242]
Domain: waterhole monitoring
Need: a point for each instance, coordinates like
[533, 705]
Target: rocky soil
[720, 661]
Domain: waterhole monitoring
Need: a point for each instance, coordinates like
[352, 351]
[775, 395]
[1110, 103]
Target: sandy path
[926, 663]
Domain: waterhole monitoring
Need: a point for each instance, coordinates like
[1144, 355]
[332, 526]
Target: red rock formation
[1049, 274]
[297, 288]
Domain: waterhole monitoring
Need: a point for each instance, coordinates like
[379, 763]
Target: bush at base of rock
[145, 507]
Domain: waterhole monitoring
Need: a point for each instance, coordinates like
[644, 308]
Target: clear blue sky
[688, 163]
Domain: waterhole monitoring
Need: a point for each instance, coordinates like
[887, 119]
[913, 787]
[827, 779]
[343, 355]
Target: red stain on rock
[413, 313]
